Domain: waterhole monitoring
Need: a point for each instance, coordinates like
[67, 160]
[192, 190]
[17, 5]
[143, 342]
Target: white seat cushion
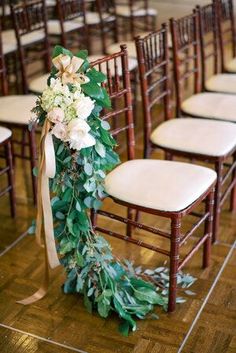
[201, 136]
[7, 10]
[225, 83]
[124, 11]
[231, 65]
[4, 134]
[159, 185]
[132, 63]
[17, 109]
[114, 48]
[54, 27]
[92, 18]
[218, 106]
[9, 39]
[39, 84]
[50, 2]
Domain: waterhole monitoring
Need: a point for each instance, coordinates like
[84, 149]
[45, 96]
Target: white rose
[59, 130]
[56, 115]
[78, 134]
[84, 107]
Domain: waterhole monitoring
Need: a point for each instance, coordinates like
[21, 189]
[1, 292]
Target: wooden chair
[5, 143]
[15, 112]
[187, 70]
[138, 14]
[164, 188]
[30, 22]
[227, 34]
[210, 53]
[69, 26]
[197, 139]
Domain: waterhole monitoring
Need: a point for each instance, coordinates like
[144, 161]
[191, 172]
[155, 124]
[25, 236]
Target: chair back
[209, 40]
[30, 23]
[119, 90]
[153, 62]
[227, 32]
[186, 57]
[69, 10]
[3, 70]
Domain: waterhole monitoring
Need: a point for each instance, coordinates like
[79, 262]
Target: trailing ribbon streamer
[47, 170]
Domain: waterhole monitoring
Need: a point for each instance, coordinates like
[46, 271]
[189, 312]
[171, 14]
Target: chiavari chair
[164, 188]
[30, 22]
[69, 24]
[138, 14]
[210, 53]
[15, 112]
[227, 34]
[6, 144]
[197, 139]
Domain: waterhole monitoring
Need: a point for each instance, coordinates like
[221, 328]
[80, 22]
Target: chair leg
[208, 230]
[216, 222]
[129, 226]
[93, 217]
[8, 149]
[233, 193]
[174, 262]
[33, 157]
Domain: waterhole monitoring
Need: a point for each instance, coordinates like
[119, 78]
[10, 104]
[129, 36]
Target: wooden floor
[59, 323]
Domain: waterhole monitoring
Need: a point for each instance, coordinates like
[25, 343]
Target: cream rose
[56, 115]
[83, 107]
[78, 134]
[59, 130]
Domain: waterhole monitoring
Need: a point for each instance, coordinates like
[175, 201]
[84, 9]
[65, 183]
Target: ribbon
[67, 69]
[47, 169]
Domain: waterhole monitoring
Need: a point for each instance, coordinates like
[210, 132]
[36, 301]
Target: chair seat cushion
[54, 27]
[9, 39]
[17, 109]
[4, 134]
[230, 66]
[132, 63]
[217, 106]
[114, 48]
[124, 11]
[200, 136]
[93, 18]
[7, 10]
[39, 84]
[225, 83]
[159, 185]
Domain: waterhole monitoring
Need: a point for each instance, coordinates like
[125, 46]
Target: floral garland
[84, 152]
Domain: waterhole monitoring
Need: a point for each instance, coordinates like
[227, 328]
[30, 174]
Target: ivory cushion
[93, 18]
[124, 11]
[9, 39]
[17, 109]
[201, 136]
[159, 185]
[231, 65]
[54, 27]
[7, 10]
[209, 105]
[4, 134]
[39, 84]
[222, 83]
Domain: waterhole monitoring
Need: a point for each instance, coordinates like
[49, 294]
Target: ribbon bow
[67, 69]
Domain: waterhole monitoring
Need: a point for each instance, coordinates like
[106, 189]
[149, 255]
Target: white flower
[78, 134]
[56, 115]
[84, 107]
[59, 130]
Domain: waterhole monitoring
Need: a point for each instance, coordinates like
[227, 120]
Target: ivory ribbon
[47, 169]
[67, 69]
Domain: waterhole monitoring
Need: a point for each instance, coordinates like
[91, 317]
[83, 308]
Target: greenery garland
[106, 284]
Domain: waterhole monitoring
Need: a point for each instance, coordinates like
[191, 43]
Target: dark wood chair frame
[141, 23]
[28, 17]
[69, 11]
[7, 145]
[185, 36]
[176, 238]
[226, 25]
[31, 142]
